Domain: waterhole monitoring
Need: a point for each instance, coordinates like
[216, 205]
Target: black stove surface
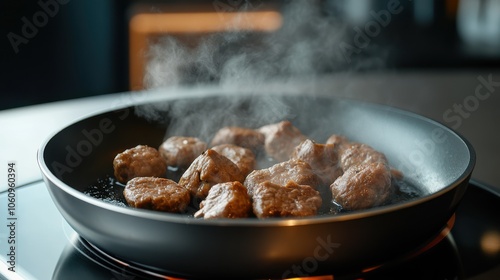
[471, 250]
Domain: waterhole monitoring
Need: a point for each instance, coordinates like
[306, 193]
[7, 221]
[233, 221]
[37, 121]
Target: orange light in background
[205, 22]
[490, 243]
[327, 277]
[143, 26]
[451, 8]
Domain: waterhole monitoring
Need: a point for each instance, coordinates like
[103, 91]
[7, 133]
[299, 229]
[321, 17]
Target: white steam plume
[303, 49]
[307, 44]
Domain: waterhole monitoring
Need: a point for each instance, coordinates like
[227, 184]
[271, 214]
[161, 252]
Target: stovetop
[48, 248]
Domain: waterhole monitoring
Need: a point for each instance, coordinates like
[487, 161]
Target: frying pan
[434, 159]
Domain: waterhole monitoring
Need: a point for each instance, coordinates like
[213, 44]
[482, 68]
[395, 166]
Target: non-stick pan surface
[433, 158]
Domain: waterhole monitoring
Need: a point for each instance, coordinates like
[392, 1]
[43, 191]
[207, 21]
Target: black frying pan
[433, 158]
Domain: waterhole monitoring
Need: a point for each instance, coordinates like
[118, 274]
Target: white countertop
[463, 100]
[25, 128]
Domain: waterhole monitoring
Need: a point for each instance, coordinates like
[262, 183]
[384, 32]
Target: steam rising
[202, 117]
[305, 45]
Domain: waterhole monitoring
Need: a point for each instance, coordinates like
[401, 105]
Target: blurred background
[62, 49]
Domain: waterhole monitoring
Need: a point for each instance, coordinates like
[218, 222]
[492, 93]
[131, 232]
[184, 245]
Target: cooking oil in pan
[109, 190]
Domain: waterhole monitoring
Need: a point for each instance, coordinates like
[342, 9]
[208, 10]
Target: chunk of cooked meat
[139, 161]
[363, 186]
[337, 139]
[360, 154]
[159, 194]
[208, 169]
[239, 136]
[290, 200]
[226, 200]
[244, 158]
[180, 151]
[353, 153]
[281, 139]
[367, 180]
[322, 158]
[297, 171]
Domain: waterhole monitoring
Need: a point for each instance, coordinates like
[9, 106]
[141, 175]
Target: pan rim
[50, 178]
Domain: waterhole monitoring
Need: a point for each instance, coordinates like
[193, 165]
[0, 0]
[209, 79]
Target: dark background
[82, 50]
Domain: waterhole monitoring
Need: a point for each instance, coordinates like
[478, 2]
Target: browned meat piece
[180, 151]
[356, 154]
[140, 161]
[291, 200]
[244, 158]
[239, 136]
[363, 186]
[159, 194]
[297, 171]
[367, 178]
[281, 139]
[353, 153]
[337, 139]
[225, 200]
[208, 169]
[322, 158]
[396, 174]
